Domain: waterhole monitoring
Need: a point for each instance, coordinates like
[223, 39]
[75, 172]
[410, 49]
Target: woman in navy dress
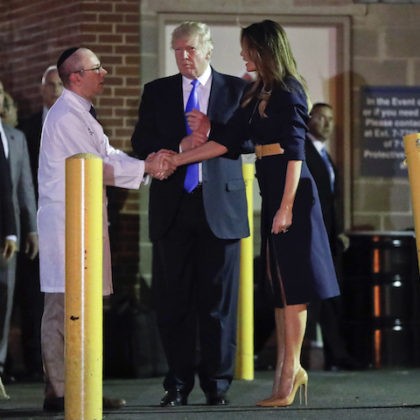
[295, 250]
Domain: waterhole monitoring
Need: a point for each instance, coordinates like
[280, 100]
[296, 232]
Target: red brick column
[33, 34]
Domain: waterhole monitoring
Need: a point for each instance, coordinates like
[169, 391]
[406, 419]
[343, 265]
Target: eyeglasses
[97, 69]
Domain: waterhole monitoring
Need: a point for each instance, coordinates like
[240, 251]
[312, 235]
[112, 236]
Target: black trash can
[381, 299]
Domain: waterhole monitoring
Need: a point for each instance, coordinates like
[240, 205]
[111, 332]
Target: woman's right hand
[282, 220]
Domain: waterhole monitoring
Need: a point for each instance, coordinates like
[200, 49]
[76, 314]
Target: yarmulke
[65, 55]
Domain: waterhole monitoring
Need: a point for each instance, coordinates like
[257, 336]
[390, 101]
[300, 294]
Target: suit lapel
[216, 95]
[317, 157]
[176, 104]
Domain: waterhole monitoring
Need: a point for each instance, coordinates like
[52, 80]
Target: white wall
[314, 49]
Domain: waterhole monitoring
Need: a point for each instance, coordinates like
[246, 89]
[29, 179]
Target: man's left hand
[31, 245]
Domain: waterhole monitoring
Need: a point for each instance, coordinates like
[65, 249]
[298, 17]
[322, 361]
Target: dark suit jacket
[7, 215]
[23, 189]
[32, 127]
[162, 125]
[328, 199]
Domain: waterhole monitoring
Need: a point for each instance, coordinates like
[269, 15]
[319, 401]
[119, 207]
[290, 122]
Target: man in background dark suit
[28, 296]
[16, 153]
[7, 235]
[50, 89]
[328, 312]
[7, 214]
[196, 235]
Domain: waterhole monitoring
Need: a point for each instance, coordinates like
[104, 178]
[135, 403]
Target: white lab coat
[70, 129]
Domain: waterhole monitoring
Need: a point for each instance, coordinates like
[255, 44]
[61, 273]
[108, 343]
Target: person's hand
[344, 240]
[195, 139]
[31, 245]
[282, 220]
[159, 165]
[198, 121]
[10, 247]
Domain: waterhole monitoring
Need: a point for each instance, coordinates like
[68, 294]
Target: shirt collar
[319, 145]
[203, 79]
[82, 101]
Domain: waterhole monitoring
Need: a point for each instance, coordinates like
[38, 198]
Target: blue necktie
[191, 177]
[329, 166]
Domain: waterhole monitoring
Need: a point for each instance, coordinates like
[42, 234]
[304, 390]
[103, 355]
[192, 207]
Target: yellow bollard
[83, 297]
[245, 335]
[412, 152]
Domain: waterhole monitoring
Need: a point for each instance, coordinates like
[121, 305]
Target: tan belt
[272, 149]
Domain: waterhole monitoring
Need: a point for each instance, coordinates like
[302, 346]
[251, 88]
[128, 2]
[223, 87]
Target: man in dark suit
[7, 235]
[195, 234]
[327, 312]
[7, 214]
[23, 197]
[51, 88]
[28, 296]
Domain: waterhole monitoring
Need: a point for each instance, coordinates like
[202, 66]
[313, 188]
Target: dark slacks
[7, 287]
[29, 301]
[195, 287]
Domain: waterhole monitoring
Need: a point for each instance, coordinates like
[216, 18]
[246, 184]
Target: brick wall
[33, 34]
[384, 51]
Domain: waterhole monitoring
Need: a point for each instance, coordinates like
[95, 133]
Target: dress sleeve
[235, 134]
[288, 114]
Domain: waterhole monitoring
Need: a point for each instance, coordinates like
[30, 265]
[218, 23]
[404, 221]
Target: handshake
[160, 165]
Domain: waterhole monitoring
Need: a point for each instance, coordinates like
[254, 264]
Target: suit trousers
[29, 302]
[7, 286]
[195, 289]
[52, 344]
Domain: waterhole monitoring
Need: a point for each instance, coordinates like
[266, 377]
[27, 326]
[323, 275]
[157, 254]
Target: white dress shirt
[203, 94]
[4, 140]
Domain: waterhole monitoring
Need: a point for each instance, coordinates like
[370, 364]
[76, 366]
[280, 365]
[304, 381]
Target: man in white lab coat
[70, 128]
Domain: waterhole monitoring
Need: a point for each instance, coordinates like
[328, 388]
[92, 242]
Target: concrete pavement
[372, 394]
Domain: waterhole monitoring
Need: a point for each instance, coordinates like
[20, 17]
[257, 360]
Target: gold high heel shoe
[262, 403]
[271, 397]
[301, 380]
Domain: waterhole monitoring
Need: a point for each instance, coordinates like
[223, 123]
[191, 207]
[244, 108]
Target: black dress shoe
[173, 398]
[216, 399]
[113, 403]
[55, 404]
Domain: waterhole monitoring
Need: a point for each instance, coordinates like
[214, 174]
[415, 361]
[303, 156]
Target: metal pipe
[83, 292]
[245, 332]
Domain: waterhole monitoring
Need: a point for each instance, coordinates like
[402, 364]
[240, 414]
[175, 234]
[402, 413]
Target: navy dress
[299, 260]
